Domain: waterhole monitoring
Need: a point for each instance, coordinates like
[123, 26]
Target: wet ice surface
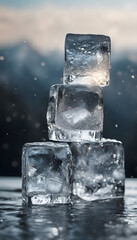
[99, 220]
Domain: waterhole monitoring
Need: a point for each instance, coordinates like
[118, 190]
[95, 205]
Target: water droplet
[1, 58]
[55, 231]
[5, 146]
[22, 116]
[8, 119]
[14, 164]
[37, 125]
[43, 64]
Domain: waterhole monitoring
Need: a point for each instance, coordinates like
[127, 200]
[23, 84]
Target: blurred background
[32, 34]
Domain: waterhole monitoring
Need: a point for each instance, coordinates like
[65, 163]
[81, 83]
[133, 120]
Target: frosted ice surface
[46, 169]
[98, 169]
[75, 113]
[87, 59]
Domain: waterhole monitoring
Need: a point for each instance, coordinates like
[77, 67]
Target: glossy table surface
[104, 220]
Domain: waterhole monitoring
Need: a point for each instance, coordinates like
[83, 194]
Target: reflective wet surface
[110, 219]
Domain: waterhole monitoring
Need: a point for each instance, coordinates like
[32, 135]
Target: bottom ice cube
[98, 169]
[46, 169]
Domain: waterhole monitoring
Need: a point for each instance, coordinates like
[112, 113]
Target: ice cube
[98, 169]
[46, 173]
[87, 59]
[75, 113]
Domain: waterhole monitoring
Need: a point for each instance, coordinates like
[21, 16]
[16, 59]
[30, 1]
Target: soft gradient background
[32, 34]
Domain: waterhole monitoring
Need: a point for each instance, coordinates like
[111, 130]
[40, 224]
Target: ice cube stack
[78, 161]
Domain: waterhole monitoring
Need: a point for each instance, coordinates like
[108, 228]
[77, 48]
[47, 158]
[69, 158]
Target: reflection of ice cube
[87, 59]
[74, 117]
[54, 185]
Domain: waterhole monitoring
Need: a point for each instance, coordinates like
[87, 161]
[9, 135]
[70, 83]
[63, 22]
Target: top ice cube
[87, 59]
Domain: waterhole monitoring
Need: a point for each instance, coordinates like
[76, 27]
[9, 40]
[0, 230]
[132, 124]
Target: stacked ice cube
[46, 172]
[75, 116]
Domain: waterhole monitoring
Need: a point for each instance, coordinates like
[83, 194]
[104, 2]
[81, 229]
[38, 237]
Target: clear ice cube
[87, 59]
[46, 173]
[75, 113]
[98, 169]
